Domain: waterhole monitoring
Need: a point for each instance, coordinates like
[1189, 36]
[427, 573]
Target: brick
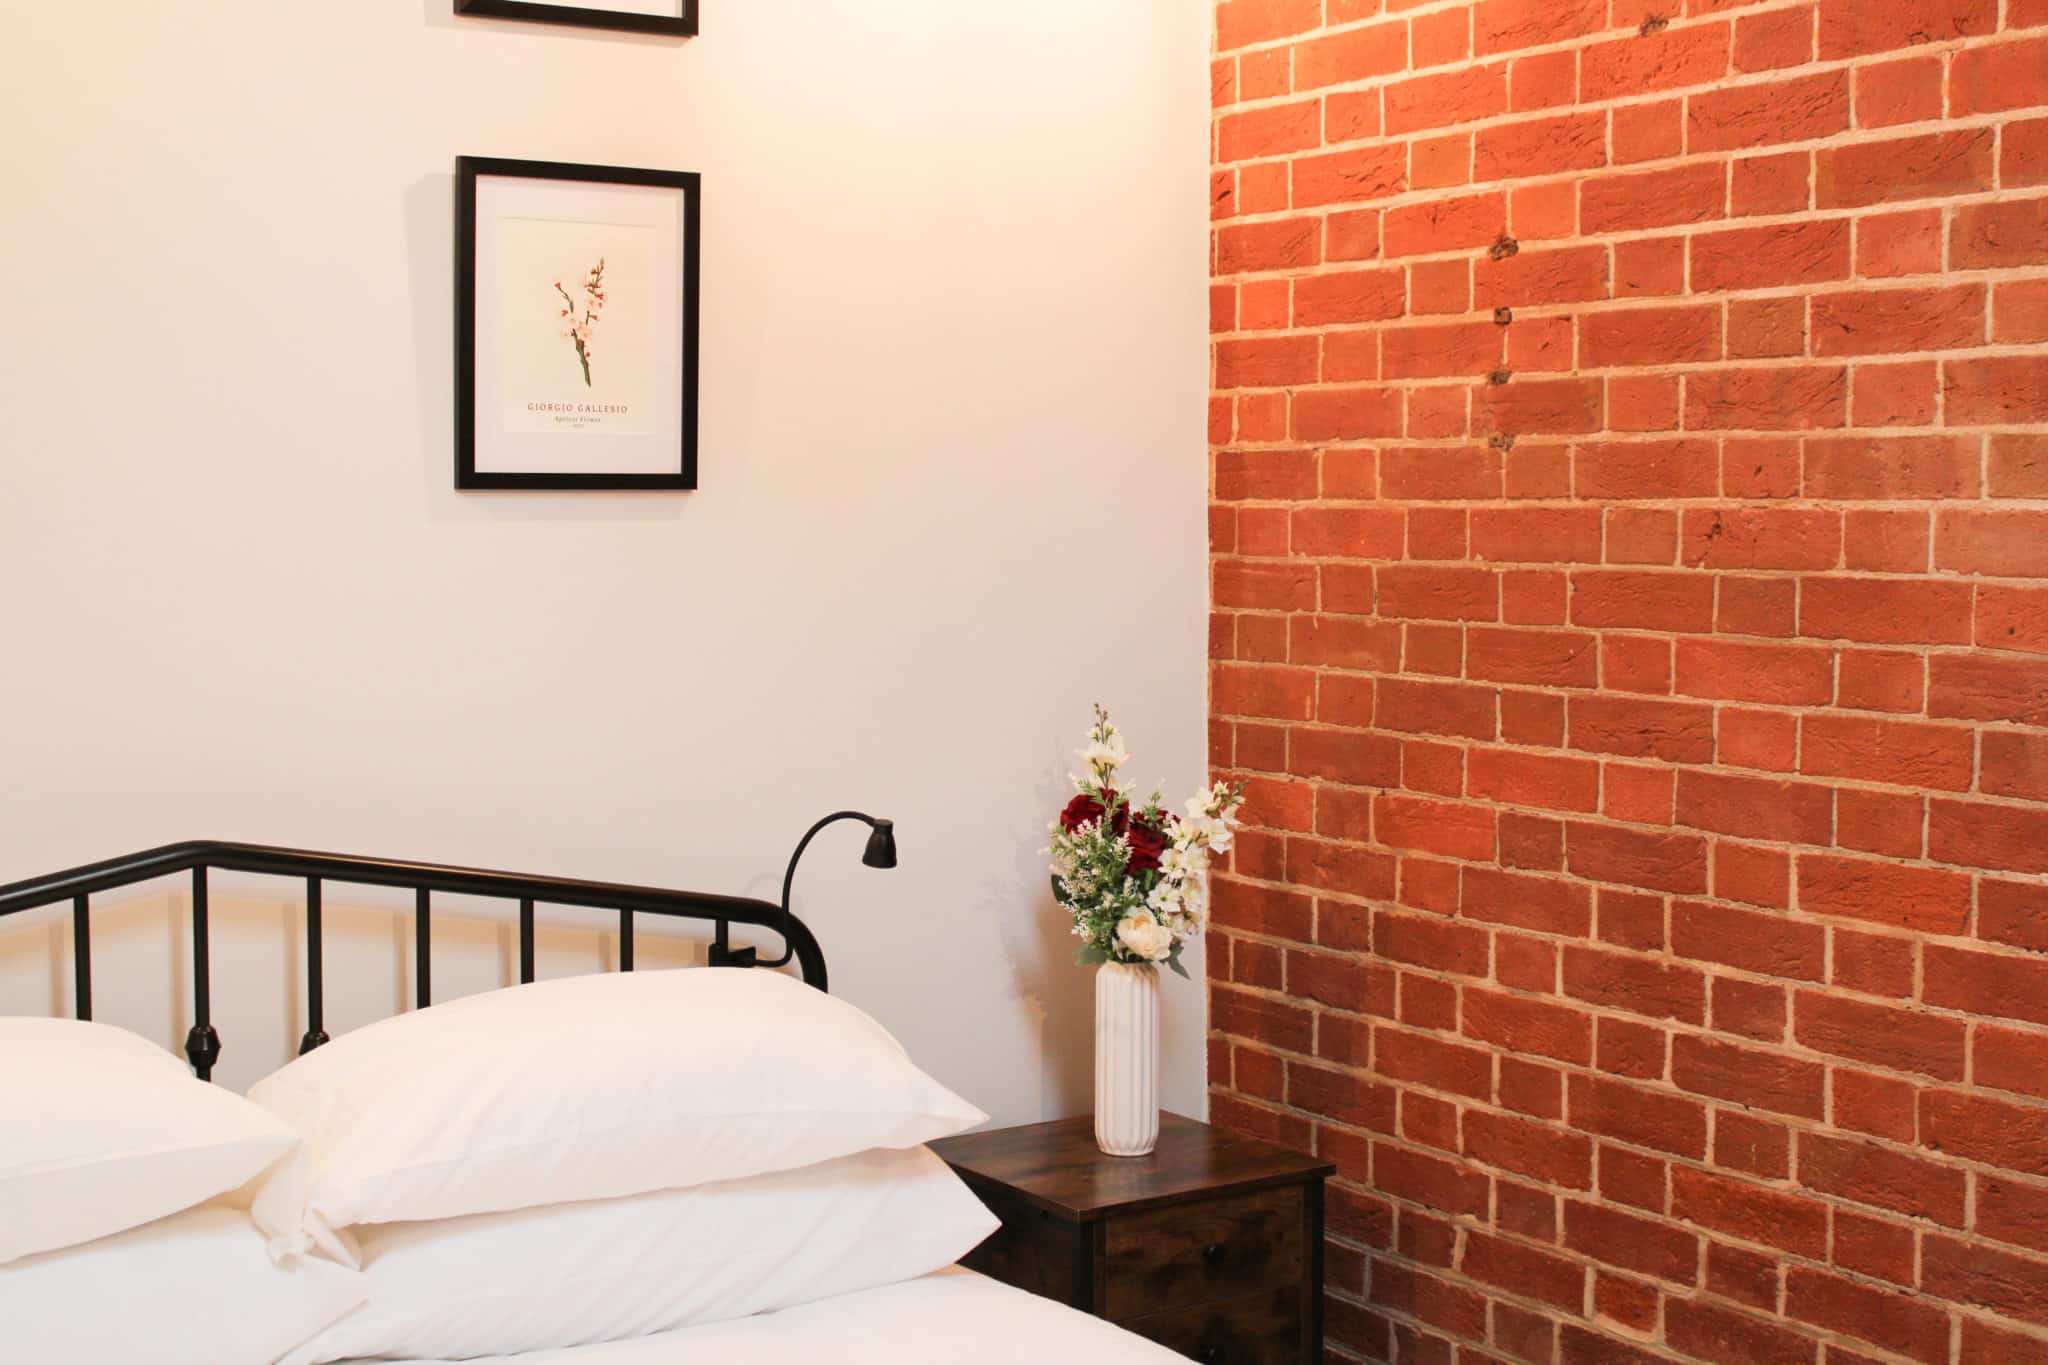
[2010, 1059]
[1644, 1246]
[1853, 28]
[1677, 732]
[1979, 1128]
[1646, 132]
[1755, 807]
[1779, 182]
[1445, 224]
[1350, 55]
[1900, 753]
[2020, 311]
[1650, 336]
[1522, 1269]
[1750, 1213]
[1983, 983]
[1506, 25]
[1271, 130]
[1468, 349]
[1742, 1276]
[1665, 60]
[1879, 822]
[1754, 876]
[1927, 166]
[1886, 611]
[1280, 244]
[2015, 764]
[1813, 251]
[1887, 321]
[1899, 1040]
[2018, 466]
[1638, 985]
[1987, 688]
[1774, 41]
[1894, 467]
[1931, 900]
[1622, 470]
[1573, 274]
[1783, 675]
[1749, 1076]
[1873, 680]
[1547, 781]
[2023, 159]
[1891, 93]
[1800, 398]
[1240, 23]
[2008, 232]
[1769, 945]
[1754, 1146]
[1762, 538]
[1530, 1027]
[1999, 76]
[1554, 1156]
[1902, 1324]
[1986, 834]
[2004, 543]
[1629, 1113]
[1540, 146]
[1759, 115]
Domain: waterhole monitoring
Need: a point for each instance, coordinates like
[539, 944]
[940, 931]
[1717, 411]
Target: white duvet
[953, 1317]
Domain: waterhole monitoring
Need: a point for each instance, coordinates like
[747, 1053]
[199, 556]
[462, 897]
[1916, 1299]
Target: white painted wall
[952, 487]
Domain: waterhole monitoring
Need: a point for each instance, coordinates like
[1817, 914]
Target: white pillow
[101, 1130]
[571, 1274]
[196, 1288]
[589, 1087]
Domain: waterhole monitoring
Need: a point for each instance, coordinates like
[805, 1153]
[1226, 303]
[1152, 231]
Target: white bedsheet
[953, 1317]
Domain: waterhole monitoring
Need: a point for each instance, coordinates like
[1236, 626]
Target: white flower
[1105, 755]
[1145, 936]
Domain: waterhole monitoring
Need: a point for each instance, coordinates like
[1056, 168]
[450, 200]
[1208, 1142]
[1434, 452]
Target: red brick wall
[1631, 617]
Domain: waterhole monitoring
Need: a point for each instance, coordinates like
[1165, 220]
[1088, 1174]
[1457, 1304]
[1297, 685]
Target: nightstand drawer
[1156, 1260]
[1258, 1329]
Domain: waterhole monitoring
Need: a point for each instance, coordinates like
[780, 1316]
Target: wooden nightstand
[1211, 1246]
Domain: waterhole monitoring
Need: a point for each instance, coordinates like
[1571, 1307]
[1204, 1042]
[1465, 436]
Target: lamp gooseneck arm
[789, 877]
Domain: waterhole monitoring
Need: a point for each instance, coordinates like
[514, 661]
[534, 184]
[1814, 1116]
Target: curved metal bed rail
[199, 857]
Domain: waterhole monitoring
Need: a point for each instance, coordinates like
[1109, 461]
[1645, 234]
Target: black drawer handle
[1213, 1255]
[1211, 1355]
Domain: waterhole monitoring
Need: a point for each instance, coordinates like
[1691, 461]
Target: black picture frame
[468, 171]
[616, 21]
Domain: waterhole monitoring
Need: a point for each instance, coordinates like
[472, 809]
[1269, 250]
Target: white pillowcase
[101, 1130]
[589, 1087]
[197, 1288]
[571, 1274]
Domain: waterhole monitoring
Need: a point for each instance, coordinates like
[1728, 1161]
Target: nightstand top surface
[1058, 1167]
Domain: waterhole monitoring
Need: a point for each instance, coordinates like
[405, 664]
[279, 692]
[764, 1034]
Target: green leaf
[1088, 955]
[1178, 970]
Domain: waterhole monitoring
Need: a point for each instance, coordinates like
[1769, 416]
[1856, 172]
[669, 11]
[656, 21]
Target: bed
[691, 1210]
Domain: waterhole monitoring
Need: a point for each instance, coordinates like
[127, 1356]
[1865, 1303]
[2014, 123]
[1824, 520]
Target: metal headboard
[202, 1043]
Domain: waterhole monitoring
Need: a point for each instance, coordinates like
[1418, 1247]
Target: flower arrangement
[1133, 878]
[580, 330]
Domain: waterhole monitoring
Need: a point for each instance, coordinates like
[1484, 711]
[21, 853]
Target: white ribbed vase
[1126, 1058]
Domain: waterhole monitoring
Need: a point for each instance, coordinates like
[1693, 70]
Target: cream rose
[1145, 936]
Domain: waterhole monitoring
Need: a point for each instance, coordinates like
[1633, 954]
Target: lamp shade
[881, 849]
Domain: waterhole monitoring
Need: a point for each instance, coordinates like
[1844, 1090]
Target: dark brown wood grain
[1211, 1245]
[1162, 1258]
[1254, 1329]
[1058, 1166]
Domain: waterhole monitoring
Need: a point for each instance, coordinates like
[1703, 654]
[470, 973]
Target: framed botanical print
[677, 18]
[575, 326]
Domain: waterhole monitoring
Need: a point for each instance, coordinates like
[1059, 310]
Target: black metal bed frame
[202, 1044]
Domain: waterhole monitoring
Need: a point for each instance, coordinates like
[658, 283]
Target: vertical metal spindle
[81, 954]
[423, 942]
[202, 1044]
[625, 940]
[525, 940]
[316, 992]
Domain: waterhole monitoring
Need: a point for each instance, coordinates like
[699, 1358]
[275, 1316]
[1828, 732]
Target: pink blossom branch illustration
[580, 330]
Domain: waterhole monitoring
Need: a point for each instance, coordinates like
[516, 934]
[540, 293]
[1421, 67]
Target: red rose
[1080, 811]
[1147, 844]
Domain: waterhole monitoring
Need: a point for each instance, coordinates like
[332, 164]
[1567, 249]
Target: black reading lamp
[880, 852]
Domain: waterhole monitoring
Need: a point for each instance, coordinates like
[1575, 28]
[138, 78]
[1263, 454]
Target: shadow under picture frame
[673, 18]
[576, 326]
